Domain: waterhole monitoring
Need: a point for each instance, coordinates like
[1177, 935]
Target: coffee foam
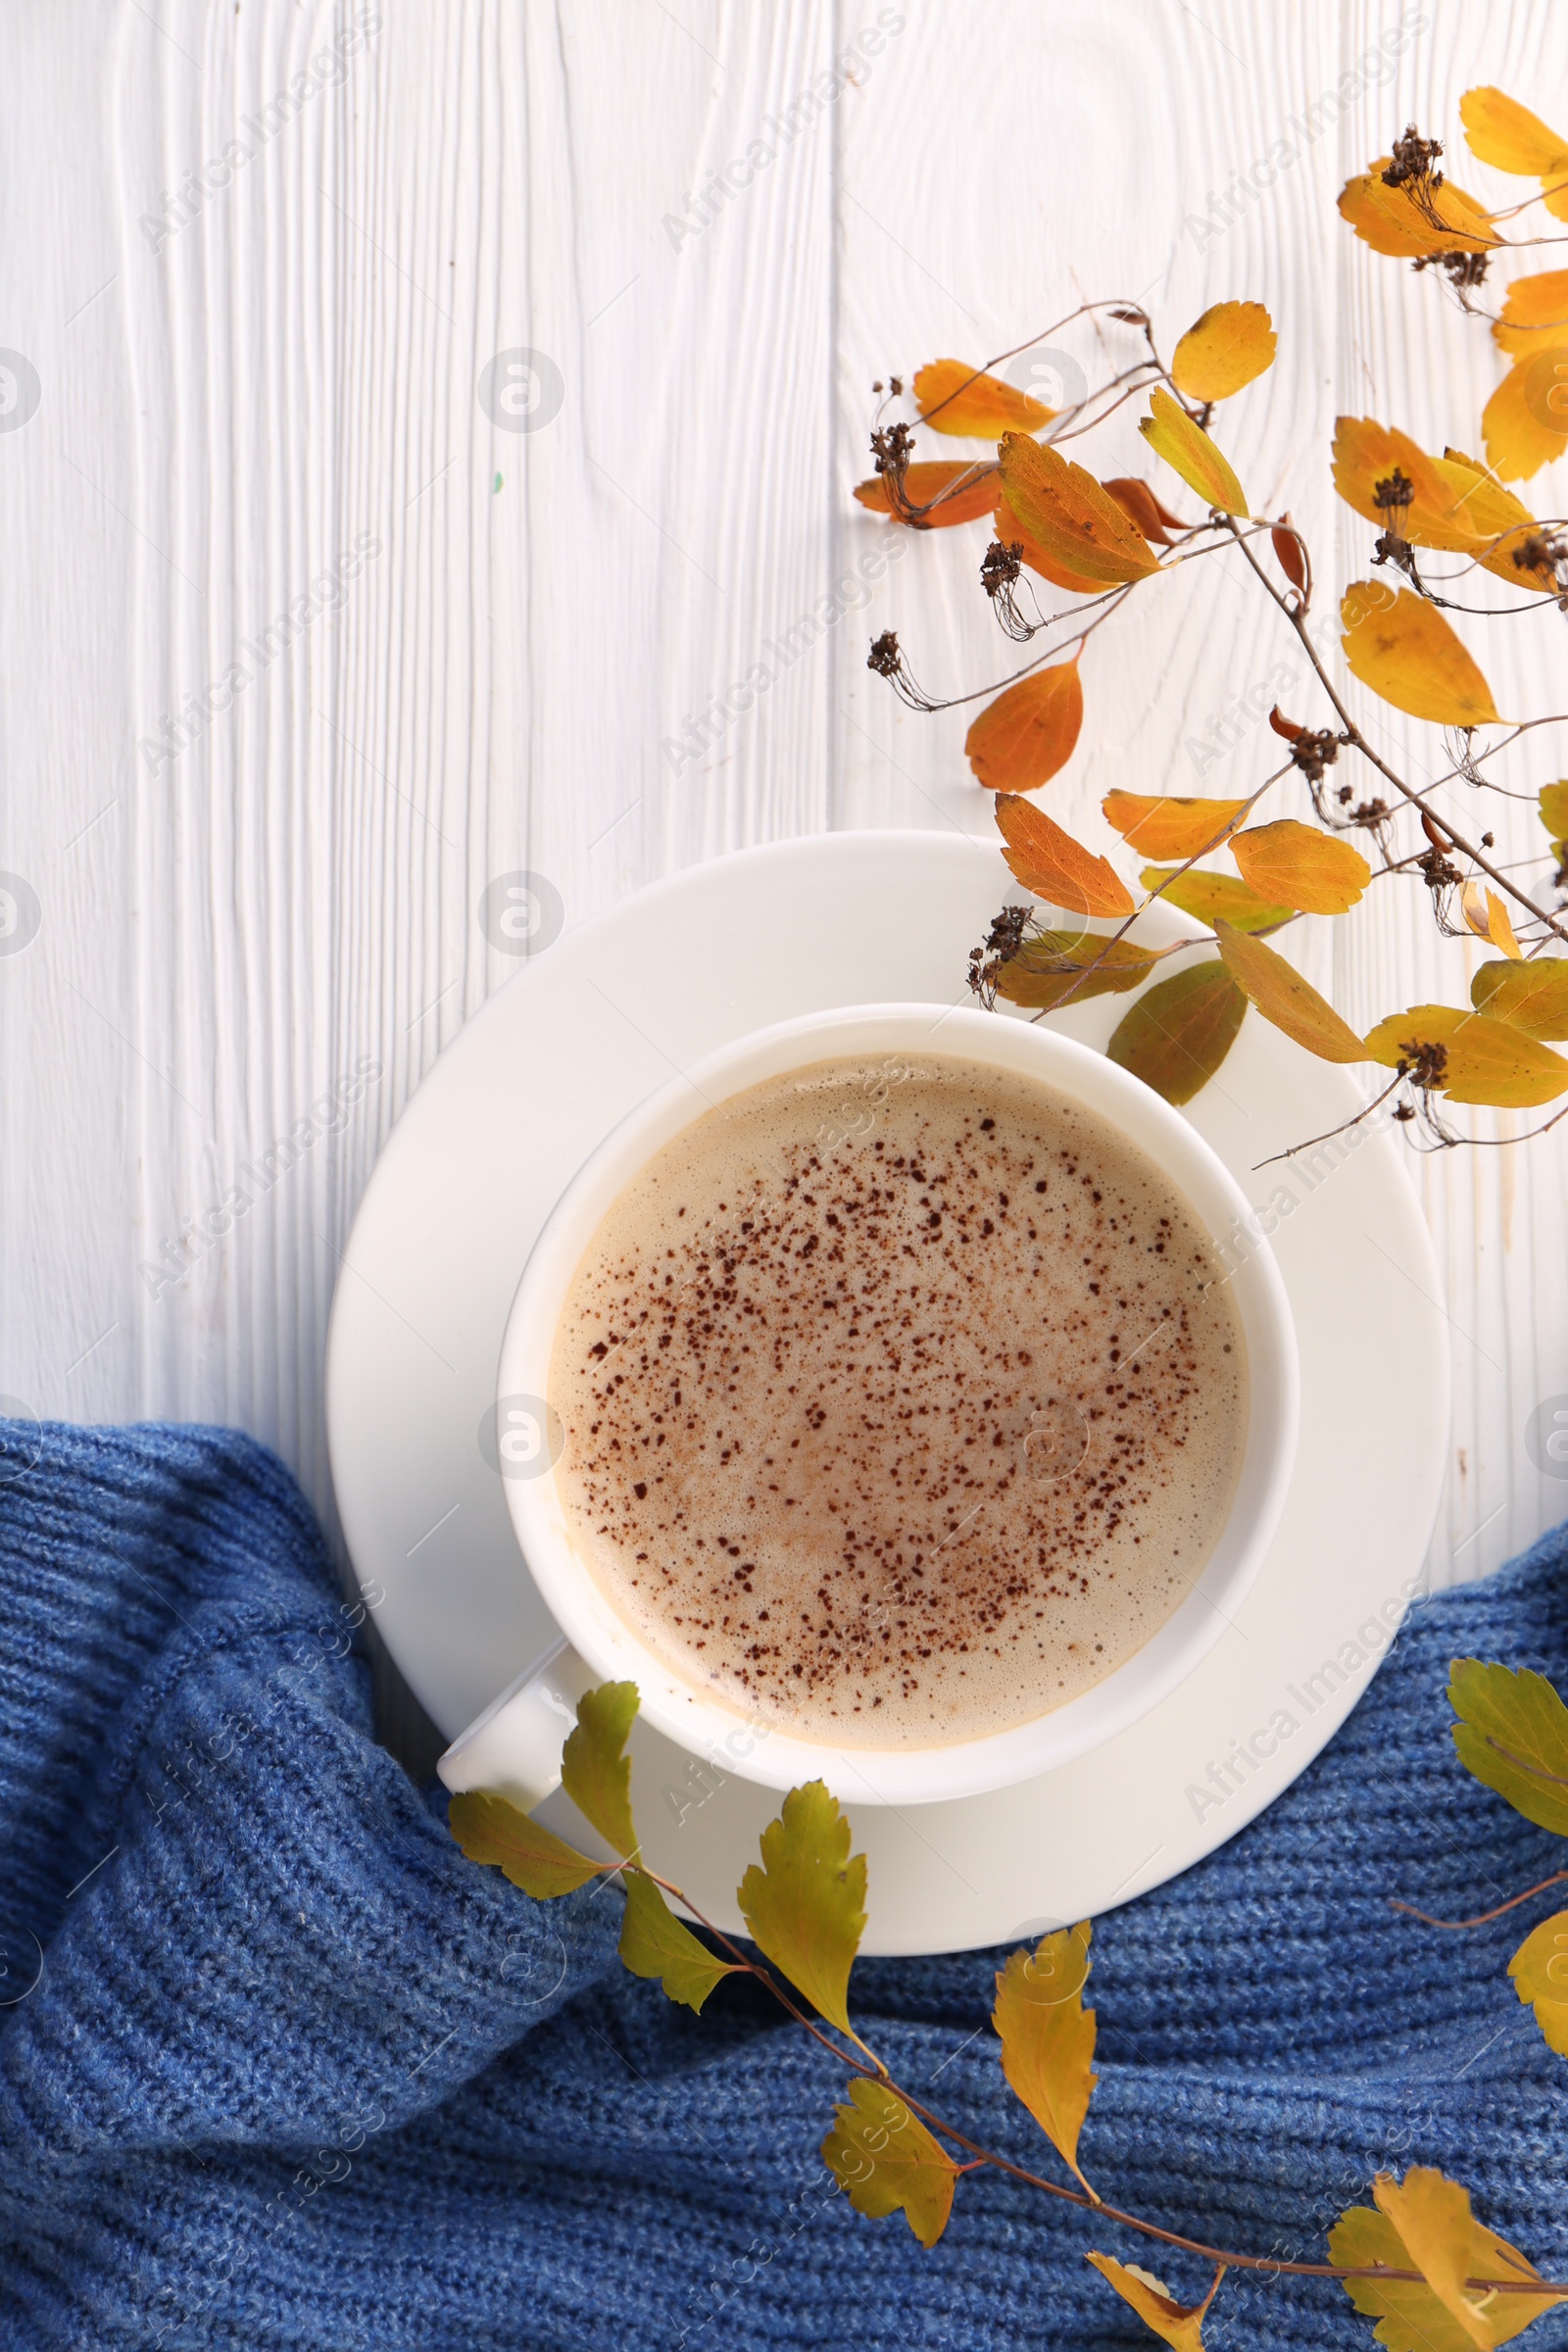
[902, 1401]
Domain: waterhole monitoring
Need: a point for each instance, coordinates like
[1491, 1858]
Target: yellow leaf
[1524, 423]
[1535, 313]
[594, 1772]
[1435, 513]
[1505, 134]
[1019, 741]
[1184, 445]
[1284, 997]
[1540, 1972]
[1532, 997]
[1055, 867]
[1181, 2326]
[1509, 535]
[1211, 897]
[1555, 814]
[1011, 533]
[1443, 2232]
[1295, 866]
[1225, 349]
[1051, 966]
[953, 398]
[1175, 1038]
[937, 495]
[1482, 1060]
[887, 2160]
[1512, 1733]
[1071, 517]
[532, 1857]
[1487, 917]
[1404, 649]
[1392, 221]
[805, 1907]
[1169, 827]
[654, 1944]
[1047, 2036]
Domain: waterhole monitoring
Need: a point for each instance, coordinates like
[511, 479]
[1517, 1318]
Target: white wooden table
[242, 399]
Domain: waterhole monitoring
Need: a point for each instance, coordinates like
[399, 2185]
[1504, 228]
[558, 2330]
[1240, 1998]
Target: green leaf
[805, 1907]
[1532, 997]
[888, 2161]
[654, 1942]
[594, 1771]
[1047, 2036]
[1045, 968]
[1512, 1733]
[1176, 1036]
[1211, 897]
[532, 1857]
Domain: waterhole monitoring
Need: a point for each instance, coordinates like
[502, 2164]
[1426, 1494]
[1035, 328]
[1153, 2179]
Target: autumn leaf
[1426, 2225]
[805, 1907]
[594, 1771]
[1223, 350]
[1506, 136]
[1554, 816]
[1535, 313]
[1011, 533]
[1169, 827]
[1211, 897]
[1532, 997]
[1180, 2325]
[1175, 1038]
[1295, 865]
[1392, 221]
[1071, 517]
[1512, 1733]
[1047, 2036]
[1524, 423]
[1019, 741]
[942, 493]
[1486, 1060]
[1284, 997]
[1487, 917]
[888, 2162]
[1512, 540]
[654, 1942]
[1055, 867]
[1184, 445]
[1540, 1972]
[1138, 501]
[1449, 503]
[1051, 966]
[953, 398]
[1404, 649]
[1290, 553]
[490, 1830]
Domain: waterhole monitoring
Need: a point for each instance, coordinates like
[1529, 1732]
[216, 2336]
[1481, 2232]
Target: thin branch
[1482, 1918]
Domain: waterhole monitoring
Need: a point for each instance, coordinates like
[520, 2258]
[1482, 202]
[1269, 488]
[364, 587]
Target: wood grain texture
[511, 680]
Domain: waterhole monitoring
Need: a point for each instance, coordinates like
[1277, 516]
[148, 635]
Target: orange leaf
[1290, 553]
[1168, 827]
[1404, 649]
[1507, 135]
[1071, 517]
[1019, 741]
[929, 492]
[953, 398]
[1366, 453]
[1295, 866]
[1390, 220]
[1487, 917]
[1010, 531]
[1485, 1060]
[1534, 312]
[1055, 867]
[1284, 997]
[1225, 349]
[1185, 446]
[1137, 499]
[1524, 423]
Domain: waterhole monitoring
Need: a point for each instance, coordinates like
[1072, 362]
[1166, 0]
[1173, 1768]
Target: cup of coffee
[880, 1399]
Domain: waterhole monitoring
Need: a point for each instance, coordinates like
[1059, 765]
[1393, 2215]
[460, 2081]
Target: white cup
[514, 1746]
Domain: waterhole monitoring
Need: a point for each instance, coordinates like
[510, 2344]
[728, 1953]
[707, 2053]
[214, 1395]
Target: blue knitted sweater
[279, 2068]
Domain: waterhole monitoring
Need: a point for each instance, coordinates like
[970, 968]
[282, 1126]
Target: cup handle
[514, 1747]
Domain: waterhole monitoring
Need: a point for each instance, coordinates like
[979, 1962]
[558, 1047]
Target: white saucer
[532, 1084]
